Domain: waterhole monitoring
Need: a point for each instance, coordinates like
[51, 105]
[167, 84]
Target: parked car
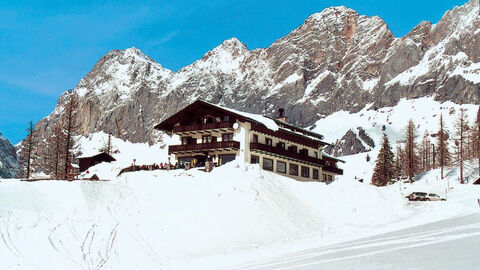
[434, 197]
[417, 196]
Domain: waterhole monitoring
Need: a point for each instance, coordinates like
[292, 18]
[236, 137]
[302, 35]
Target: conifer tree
[411, 159]
[443, 155]
[384, 171]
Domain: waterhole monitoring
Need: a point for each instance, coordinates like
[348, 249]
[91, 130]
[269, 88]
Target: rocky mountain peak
[337, 60]
[226, 54]
[330, 14]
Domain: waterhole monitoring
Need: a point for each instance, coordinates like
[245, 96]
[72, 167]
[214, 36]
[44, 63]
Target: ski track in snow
[315, 258]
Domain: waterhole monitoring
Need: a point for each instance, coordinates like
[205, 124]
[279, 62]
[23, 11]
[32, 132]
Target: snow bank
[163, 219]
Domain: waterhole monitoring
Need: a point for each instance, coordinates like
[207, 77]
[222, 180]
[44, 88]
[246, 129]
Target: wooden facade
[210, 133]
[86, 162]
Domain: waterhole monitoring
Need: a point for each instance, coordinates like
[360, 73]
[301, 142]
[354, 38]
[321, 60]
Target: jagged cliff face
[336, 60]
[9, 166]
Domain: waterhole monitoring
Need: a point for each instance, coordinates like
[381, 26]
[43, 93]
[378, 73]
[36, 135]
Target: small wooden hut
[87, 161]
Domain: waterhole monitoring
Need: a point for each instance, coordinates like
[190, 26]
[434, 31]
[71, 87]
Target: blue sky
[46, 47]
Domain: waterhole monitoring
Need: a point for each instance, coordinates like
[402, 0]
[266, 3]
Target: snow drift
[162, 219]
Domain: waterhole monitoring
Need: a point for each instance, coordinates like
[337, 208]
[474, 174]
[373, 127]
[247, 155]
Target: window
[227, 137]
[315, 174]
[330, 178]
[185, 140]
[206, 139]
[281, 167]
[255, 138]
[268, 141]
[281, 145]
[267, 164]
[324, 177]
[316, 155]
[293, 169]
[217, 119]
[226, 118]
[254, 159]
[304, 151]
[225, 159]
[292, 148]
[305, 172]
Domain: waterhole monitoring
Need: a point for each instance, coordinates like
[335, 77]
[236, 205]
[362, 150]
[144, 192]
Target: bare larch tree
[442, 147]
[411, 159]
[29, 148]
[55, 156]
[461, 132]
[69, 128]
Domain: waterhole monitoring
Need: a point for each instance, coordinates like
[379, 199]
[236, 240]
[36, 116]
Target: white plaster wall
[241, 135]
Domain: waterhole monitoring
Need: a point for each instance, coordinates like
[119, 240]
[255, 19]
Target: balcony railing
[332, 169]
[286, 153]
[197, 127]
[203, 146]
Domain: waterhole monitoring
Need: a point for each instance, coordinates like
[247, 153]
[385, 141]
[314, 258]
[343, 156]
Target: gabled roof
[269, 122]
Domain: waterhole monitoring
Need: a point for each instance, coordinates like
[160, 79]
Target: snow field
[168, 219]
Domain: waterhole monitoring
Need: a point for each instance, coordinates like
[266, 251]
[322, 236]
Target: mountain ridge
[336, 60]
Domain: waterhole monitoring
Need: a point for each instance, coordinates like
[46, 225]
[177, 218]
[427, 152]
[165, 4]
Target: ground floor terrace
[198, 155]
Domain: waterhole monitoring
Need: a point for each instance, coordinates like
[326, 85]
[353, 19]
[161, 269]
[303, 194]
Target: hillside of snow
[178, 218]
[425, 113]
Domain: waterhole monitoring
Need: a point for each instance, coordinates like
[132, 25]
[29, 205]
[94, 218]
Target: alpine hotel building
[219, 134]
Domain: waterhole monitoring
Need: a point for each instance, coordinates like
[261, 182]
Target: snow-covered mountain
[9, 165]
[337, 60]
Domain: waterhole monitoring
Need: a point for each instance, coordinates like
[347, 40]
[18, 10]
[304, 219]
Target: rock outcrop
[336, 60]
[9, 165]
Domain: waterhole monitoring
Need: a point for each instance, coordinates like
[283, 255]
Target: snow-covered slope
[172, 219]
[425, 113]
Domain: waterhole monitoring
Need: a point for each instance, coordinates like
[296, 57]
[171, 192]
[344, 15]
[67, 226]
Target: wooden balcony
[199, 128]
[201, 147]
[277, 151]
[332, 169]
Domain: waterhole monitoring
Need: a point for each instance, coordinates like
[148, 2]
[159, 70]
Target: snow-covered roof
[268, 122]
[273, 124]
[75, 166]
[90, 154]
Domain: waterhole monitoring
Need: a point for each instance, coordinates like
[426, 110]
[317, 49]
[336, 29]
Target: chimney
[281, 115]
